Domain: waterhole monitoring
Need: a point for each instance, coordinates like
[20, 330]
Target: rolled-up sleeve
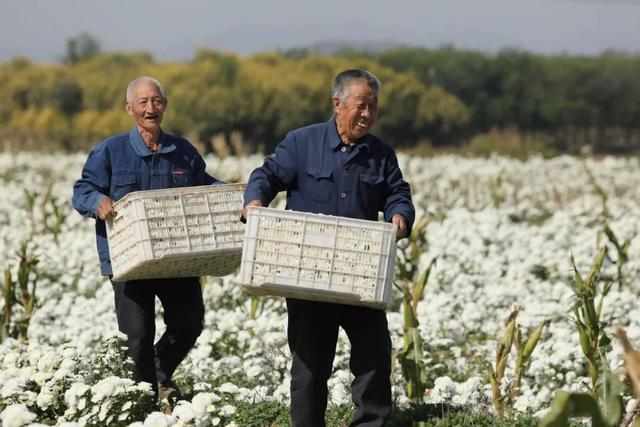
[399, 199]
[276, 174]
[94, 184]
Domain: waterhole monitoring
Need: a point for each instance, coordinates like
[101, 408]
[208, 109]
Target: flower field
[503, 233]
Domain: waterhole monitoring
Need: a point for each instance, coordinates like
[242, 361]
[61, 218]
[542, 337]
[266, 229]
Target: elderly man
[145, 158]
[338, 168]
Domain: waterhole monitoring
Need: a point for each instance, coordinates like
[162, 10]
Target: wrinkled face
[147, 106]
[357, 113]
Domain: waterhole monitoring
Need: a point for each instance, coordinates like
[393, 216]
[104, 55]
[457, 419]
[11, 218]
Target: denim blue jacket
[322, 175]
[123, 163]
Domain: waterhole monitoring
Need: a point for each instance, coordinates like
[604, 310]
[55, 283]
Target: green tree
[81, 47]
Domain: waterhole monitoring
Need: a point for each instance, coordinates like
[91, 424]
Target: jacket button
[343, 195]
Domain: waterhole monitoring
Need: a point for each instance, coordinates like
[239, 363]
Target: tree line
[572, 100]
[225, 102]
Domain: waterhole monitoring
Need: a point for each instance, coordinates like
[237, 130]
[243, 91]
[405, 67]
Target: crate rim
[159, 192]
[336, 218]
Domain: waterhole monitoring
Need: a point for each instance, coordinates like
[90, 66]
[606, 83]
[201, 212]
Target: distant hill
[330, 47]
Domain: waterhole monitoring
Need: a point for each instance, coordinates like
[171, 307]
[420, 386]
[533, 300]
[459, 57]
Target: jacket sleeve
[399, 199]
[94, 184]
[277, 173]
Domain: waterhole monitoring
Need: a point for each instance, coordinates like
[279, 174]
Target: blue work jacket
[322, 175]
[123, 163]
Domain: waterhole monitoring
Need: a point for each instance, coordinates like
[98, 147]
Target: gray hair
[347, 77]
[143, 80]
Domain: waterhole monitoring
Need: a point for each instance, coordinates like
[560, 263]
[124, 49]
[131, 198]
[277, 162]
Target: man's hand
[105, 209]
[254, 202]
[401, 223]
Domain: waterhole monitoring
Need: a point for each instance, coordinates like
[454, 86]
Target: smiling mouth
[151, 117]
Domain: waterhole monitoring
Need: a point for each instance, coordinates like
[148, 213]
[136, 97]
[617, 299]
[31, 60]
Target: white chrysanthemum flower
[76, 395]
[468, 392]
[10, 359]
[204, 403]
[44, 399]
[443, 389]
[253, 371]
[229, 388]
[41, 378]
[48, 362]
[16, 416]
[12, 386]
[227, 410]
[158, 419]
[109, 386]
[184, 412]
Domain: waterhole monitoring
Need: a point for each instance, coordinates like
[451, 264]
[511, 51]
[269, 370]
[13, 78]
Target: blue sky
[39, 29]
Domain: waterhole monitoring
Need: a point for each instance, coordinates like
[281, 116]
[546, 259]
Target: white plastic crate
[318, 257]
[177, 232]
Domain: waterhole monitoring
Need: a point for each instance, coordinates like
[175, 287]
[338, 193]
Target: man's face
[147, 106]
[358, 112]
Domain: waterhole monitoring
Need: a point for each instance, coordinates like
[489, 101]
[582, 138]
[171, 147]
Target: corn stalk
[511, 337]
[622, 252]
[524, 350]
[255, 305]
[409, 252]
[20, 292]
[496, 374]
[497, 192]
[412, 284]
[51, 211]
[8, 296]
[411, 357]
[53, 222]
[29, 205]
[605, 214]
[586, 315]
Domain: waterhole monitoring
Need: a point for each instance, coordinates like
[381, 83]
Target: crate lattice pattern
[190, 231]
[321, 252]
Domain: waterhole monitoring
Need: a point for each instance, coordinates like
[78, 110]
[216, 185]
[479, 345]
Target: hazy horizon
[39, 29]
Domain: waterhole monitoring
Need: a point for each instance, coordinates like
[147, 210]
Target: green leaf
[596, 267]
[610, 389]
[611, 236]
[532, 341]
[410, 319]
[578, 282]
[567, 405]
[418, 291]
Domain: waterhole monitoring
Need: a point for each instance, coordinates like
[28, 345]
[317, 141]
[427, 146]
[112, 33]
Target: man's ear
[128, 109]
[336, 103]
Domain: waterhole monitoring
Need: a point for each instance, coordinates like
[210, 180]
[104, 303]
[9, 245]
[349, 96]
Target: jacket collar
[335, 140]
[141, 148]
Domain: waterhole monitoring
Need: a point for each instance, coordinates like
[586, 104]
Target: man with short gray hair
[145, 158]
[338, 168]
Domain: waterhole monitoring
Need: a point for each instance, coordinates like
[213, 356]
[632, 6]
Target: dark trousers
[183, 316]
[312, 334]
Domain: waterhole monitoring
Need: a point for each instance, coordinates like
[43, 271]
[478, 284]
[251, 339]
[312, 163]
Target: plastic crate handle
[276, 287]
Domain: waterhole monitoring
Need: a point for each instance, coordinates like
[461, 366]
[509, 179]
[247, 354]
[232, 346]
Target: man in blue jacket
[338, 168]
[145, 158]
